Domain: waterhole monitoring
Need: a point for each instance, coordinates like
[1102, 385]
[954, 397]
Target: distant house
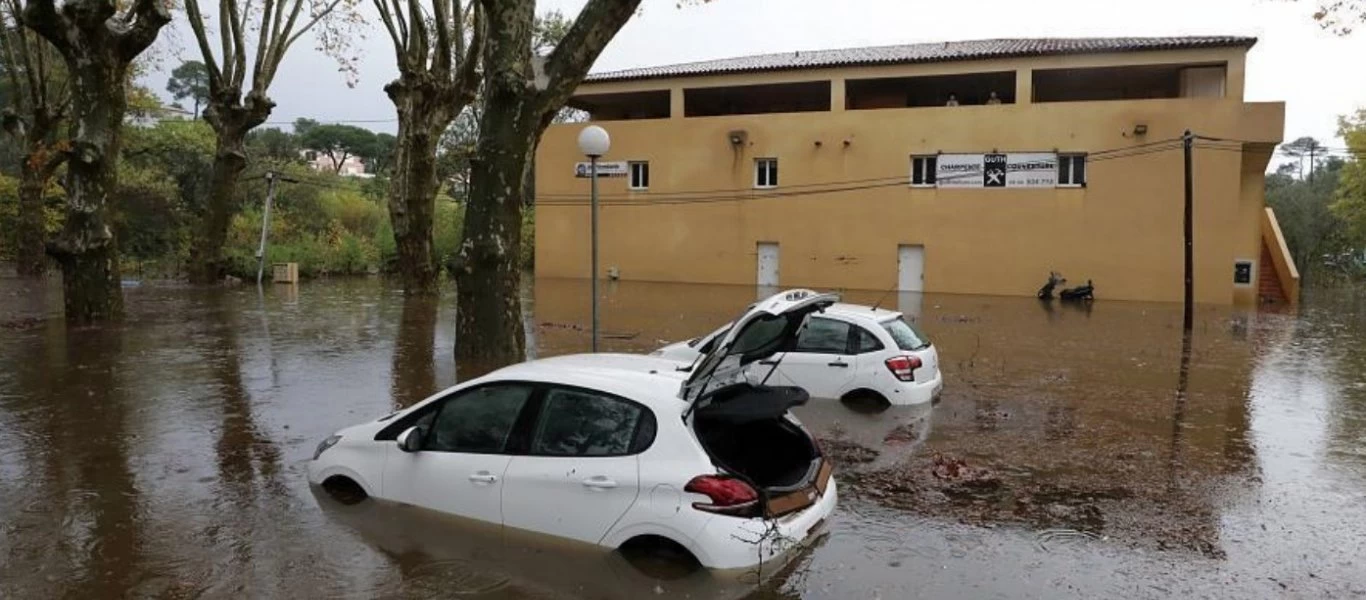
[351, 166]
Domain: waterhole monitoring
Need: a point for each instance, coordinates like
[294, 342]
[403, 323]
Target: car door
[581, 473]
[820, 363]
[460, 468]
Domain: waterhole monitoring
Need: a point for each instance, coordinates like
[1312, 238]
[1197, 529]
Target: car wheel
[865, 401]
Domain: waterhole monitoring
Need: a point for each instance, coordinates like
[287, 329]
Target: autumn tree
[437, 79]
[36, 102]
[522, 95]
[190, 81]
[259, 33]
[1340, 16]
[98, 41]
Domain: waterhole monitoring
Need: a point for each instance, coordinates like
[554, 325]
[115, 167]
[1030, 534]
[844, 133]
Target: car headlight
[325, 444]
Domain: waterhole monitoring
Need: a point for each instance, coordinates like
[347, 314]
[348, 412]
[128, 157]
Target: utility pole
[1188, 321]
[1313, 146]
[265, 227]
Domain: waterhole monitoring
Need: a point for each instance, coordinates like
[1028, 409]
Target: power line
[899, 179]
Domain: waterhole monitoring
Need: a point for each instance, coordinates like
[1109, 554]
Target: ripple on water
[451, 578]
[1053, 538]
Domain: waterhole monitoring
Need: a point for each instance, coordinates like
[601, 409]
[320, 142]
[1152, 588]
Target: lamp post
[594, 142]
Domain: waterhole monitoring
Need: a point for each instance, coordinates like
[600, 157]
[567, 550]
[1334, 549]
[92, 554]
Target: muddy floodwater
[1074, 453]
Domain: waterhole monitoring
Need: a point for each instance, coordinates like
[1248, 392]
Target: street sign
[605, 169]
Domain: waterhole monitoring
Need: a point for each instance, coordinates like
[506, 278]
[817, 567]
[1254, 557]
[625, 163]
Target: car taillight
[903, 367]
[728, 495]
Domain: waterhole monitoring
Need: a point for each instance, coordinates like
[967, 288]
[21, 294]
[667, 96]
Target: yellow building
[962, 167]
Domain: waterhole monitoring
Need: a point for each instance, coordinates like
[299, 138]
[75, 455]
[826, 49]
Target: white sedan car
[613, 449]
[846, 351]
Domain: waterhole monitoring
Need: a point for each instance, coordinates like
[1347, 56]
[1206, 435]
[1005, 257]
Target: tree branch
[239, 46]
[42, 17]
[387, 19]
[280, 40]
[144, 21]
[418, 40]
[568, 64]
[201, 37]
[401, 20]
[441, 62]
[310, 23]
[467, 81]
[263, 41]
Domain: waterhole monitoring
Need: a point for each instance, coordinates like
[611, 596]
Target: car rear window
[906, 336]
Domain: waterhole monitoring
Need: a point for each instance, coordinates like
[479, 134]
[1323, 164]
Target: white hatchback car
[611, 449]
[848, 350]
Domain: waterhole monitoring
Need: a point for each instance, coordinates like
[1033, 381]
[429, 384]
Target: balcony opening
[936, 90]
[806, 96]
[1130, 83]
[625, 106]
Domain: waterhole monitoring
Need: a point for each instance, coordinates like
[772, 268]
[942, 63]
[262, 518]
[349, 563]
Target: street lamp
[594, 142]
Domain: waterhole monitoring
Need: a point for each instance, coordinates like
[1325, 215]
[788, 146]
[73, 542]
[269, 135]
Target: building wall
[1123, 230]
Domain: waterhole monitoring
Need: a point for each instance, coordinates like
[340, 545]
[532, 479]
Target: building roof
[922, 53]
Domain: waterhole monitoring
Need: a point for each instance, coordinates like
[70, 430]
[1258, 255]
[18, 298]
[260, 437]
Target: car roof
[859, 311]
[650, 380]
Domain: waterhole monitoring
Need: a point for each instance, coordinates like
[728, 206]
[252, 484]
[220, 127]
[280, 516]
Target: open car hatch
[767, 328]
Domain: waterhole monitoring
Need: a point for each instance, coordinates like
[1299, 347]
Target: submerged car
[848, 351]
[612, 449]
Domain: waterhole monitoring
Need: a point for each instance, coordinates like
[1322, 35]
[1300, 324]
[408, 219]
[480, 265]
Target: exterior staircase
[1269, 289]
[1278, 281]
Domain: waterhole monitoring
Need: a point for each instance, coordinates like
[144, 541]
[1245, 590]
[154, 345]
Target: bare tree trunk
[489, 329]
[424, 112]
[519, 102]
[231, 119]
[86, 248]
[207, 264]
[31, 255]
[97, 43]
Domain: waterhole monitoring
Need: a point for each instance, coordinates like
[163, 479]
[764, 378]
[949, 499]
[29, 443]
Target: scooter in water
[1081, 293]
[1055, 279]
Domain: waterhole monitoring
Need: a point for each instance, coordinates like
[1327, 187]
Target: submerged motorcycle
[1081, 293]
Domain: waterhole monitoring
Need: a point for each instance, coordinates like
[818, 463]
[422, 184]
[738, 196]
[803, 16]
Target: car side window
[865, 341]
[577, 422]
[823, 336]
[479, 420]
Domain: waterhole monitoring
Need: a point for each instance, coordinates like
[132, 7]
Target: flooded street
[1074, 453]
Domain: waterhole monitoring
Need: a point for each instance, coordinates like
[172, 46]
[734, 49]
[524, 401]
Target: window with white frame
[640, 175]
[923, 170]
[1071, 170]
[765, 172]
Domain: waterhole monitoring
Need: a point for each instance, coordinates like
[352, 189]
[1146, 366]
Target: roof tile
[922, 53]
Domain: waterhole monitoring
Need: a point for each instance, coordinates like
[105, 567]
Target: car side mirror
[410, 440]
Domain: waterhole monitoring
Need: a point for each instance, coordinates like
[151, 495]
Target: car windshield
[907, 337]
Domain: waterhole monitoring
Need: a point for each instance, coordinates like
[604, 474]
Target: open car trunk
[747, 432]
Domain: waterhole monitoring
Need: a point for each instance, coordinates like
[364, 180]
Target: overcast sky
[1317, 74]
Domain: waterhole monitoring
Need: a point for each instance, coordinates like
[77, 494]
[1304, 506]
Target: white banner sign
[605, 169]
[1016, 170]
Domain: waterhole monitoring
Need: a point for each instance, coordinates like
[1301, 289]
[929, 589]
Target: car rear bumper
[731, 543]
[917, 392]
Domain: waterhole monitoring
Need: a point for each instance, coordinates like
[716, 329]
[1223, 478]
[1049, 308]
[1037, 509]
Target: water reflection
[443, 556]
[1082, 454]
[414, 369]
[75, 506]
